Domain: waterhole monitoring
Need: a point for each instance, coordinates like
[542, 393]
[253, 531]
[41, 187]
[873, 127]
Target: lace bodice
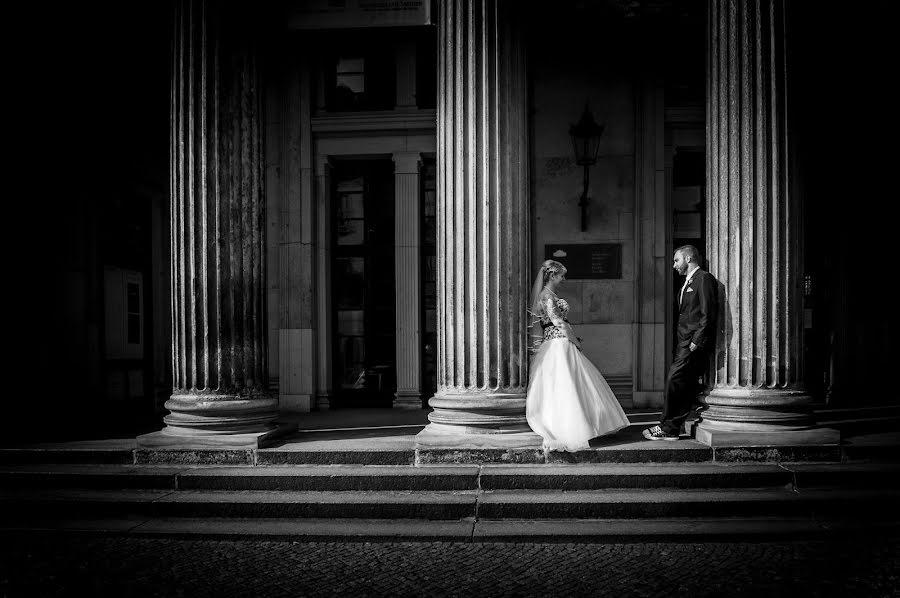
[553, 316]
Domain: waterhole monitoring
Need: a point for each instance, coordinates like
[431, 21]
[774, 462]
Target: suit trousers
[682, 387]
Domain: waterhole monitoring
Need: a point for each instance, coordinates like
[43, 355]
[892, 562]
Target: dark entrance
[364, 287]
[688, 215]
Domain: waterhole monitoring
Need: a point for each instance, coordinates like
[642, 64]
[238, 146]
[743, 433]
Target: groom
[698, 310]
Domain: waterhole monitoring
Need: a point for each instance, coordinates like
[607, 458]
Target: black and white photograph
[450, 298]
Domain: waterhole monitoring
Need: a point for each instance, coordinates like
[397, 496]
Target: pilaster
[408, 264]
[324, 339]
[297, 348]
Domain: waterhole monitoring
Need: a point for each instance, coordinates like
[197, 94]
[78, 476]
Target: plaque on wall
[597, 260]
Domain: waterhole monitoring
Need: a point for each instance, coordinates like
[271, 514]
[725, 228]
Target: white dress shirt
[687, 281]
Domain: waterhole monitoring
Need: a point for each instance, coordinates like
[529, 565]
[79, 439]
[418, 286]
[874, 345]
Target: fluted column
[408, 264]
[483, 220]
[753, 219]
[217, 227]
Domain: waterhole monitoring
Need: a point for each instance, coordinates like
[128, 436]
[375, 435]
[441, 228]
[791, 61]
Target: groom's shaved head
[689, 251]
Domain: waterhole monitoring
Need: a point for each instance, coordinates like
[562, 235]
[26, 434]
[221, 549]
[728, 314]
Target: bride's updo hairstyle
[549, 268]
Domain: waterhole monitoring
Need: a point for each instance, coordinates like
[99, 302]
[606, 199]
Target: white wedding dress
[569, 401]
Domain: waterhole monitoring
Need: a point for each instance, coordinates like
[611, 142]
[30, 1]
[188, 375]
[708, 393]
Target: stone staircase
[633, 493]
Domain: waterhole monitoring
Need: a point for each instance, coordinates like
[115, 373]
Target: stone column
[408, 263]
[220, 393]
[753, 219]
[483, 225]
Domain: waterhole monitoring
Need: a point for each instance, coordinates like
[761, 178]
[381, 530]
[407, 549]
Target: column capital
[407, 162]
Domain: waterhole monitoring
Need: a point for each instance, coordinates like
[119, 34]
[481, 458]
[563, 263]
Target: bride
[569, 401]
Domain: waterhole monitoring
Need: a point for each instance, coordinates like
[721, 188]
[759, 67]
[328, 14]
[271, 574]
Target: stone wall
[602, 310]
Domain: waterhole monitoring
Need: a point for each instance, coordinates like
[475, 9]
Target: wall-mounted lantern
[586, 141]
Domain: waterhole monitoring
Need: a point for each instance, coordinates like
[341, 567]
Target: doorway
[688, 214]
[363, 288]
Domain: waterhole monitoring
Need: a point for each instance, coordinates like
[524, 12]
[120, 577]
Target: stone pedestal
[220, 394]
[165, 441]
[482, 229]
[753, 218]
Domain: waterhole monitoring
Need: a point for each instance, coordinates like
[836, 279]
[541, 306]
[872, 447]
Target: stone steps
[338, 478]
[581, 502]
[883, 447]
[450, 505]
[595, 491]
[687, 451]
[707, 529]
[334, 485]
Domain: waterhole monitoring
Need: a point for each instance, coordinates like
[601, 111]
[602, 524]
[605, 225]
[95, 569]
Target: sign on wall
[596, 260]
[349, 14]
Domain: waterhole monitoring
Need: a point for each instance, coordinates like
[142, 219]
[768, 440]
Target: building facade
[359, 195]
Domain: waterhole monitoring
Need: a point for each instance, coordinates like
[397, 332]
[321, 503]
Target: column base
[716, 437]
[194, 415]
[407, 400]
[478, 420]
[478, 413]
[770, 423]
[758, 410]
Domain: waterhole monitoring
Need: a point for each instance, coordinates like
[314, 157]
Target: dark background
[89, 94]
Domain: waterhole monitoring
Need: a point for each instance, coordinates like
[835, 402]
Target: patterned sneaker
[657, 433]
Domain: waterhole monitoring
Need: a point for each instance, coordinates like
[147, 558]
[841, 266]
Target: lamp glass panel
[584, 153]
[595, 146]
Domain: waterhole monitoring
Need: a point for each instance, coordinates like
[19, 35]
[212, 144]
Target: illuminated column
[753, 219]
[220, 393]
[483, 223]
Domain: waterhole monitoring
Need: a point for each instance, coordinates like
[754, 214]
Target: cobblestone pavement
[69, 565]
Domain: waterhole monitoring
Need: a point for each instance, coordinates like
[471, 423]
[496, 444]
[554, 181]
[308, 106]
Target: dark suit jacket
[698, 311]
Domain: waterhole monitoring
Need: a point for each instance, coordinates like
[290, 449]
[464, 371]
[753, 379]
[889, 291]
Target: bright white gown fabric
[569, 402]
